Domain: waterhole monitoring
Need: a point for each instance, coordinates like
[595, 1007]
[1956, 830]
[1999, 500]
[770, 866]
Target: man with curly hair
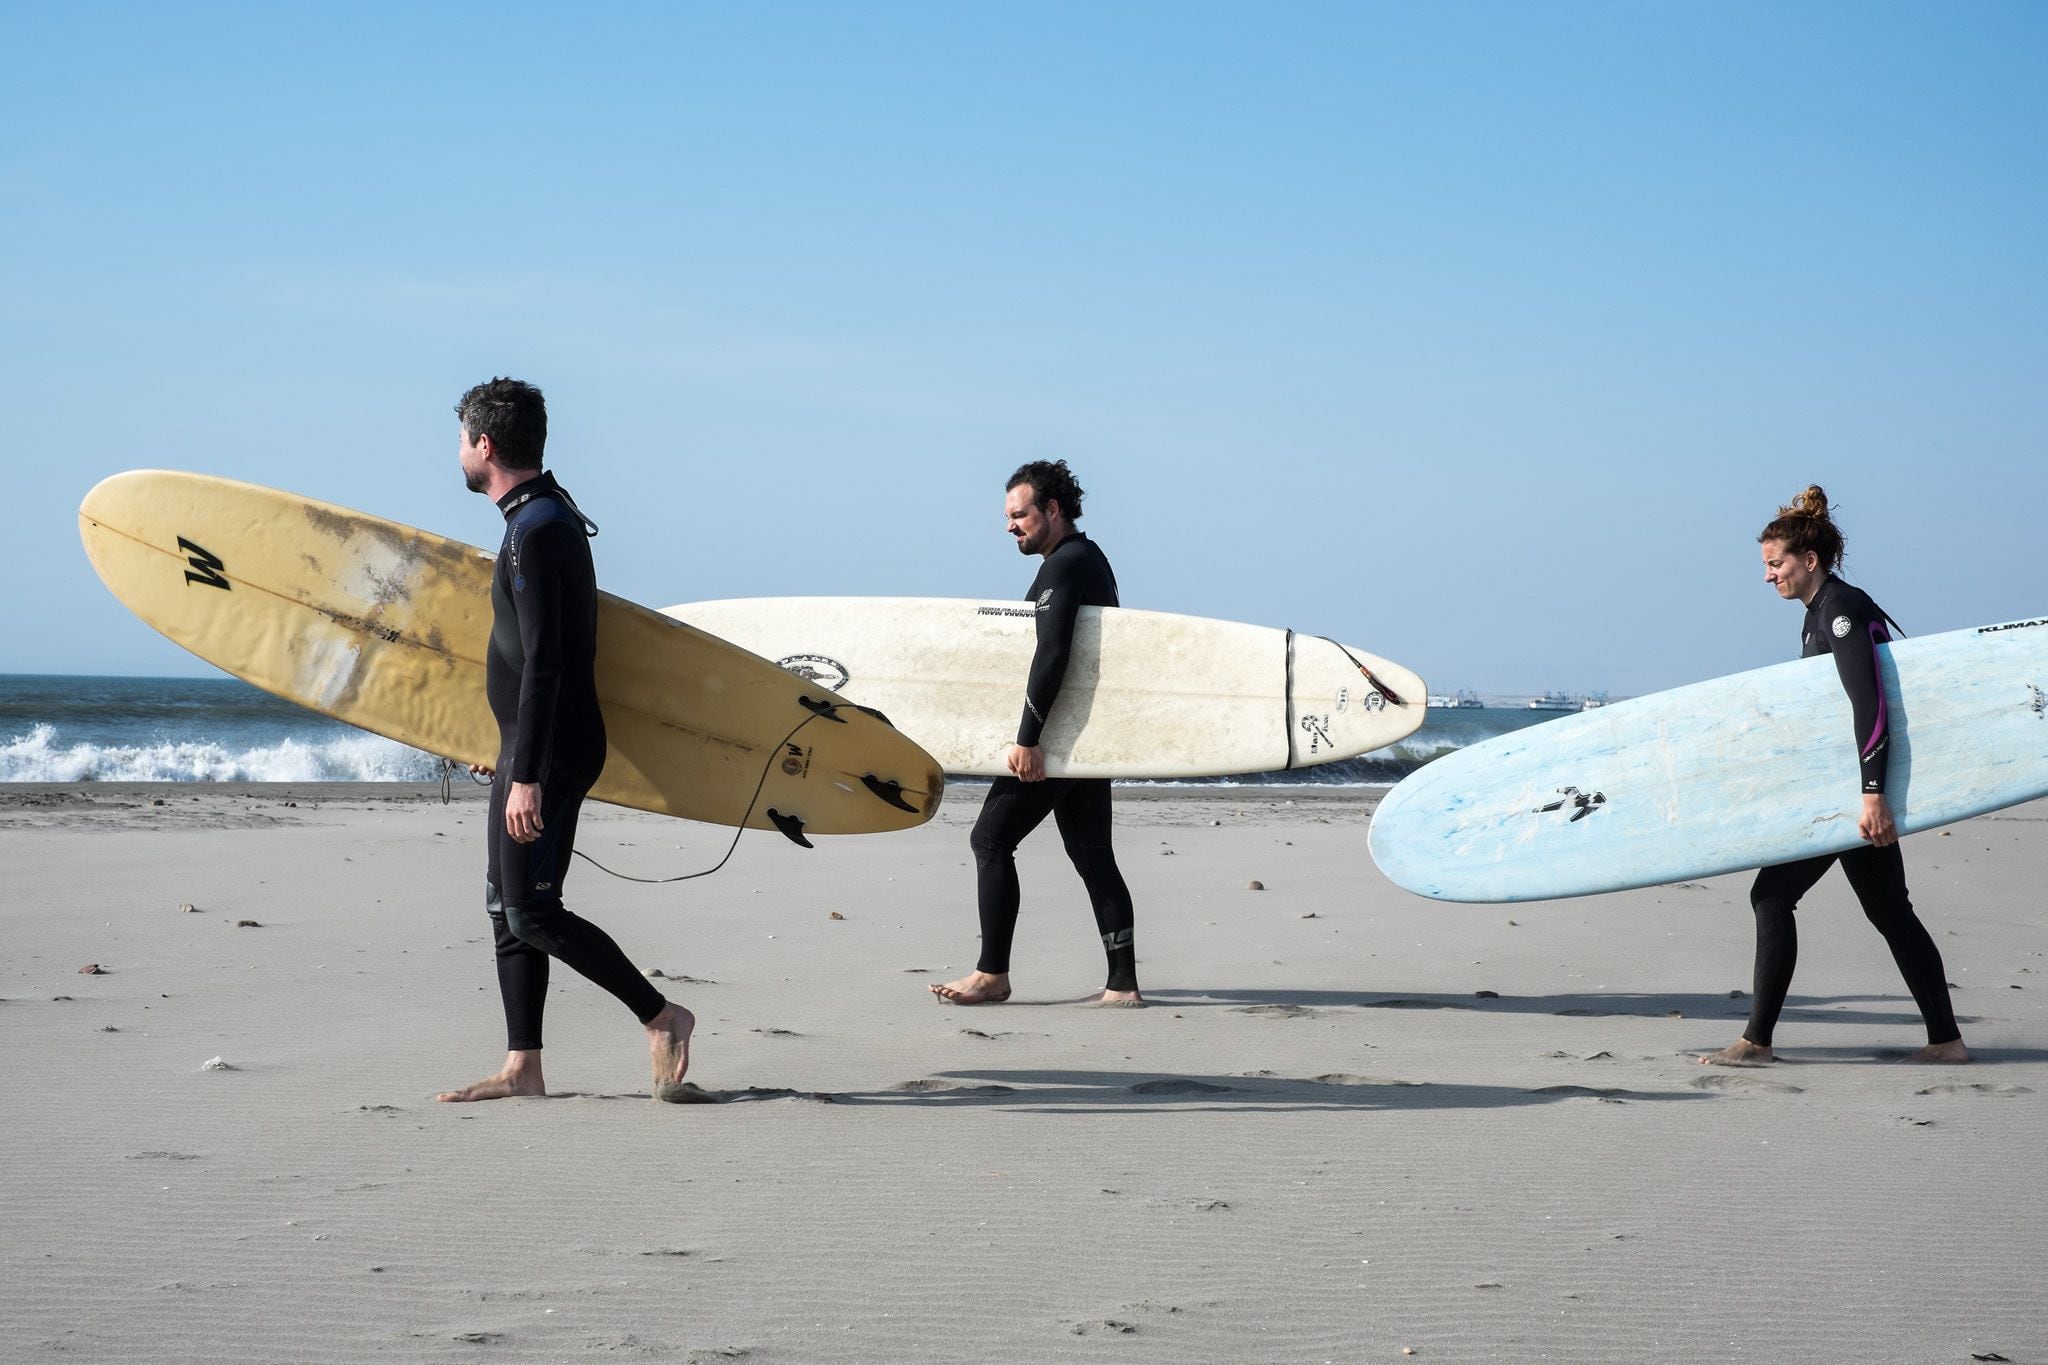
[1042, 501]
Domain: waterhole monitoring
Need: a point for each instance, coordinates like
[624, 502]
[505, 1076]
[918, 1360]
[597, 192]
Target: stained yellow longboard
[386, 627]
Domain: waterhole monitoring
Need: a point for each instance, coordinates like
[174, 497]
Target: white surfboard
[1744, 771]
[1147, 694]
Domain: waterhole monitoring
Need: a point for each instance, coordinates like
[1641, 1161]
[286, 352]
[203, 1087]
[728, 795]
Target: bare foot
[1741, 1052]
[1942, 1054]
[520, 1076]
[668, 1043]
[975, 988]
[1113, 1000]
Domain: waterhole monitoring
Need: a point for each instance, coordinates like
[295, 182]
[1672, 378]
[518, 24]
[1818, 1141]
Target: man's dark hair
[1050, 480]
[513, 414]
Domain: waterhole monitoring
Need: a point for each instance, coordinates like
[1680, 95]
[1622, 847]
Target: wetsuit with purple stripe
[1842, 620]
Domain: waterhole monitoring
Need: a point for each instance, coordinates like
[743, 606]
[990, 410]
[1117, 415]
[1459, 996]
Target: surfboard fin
[891, 792]
[828, 709]
[792, 827]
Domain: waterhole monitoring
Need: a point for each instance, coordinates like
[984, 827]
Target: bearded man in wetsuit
[540, 676]
[1042, 501]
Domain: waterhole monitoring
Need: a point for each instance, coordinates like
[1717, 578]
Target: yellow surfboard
[385, 627]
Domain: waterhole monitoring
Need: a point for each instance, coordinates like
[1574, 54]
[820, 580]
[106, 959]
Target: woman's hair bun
[1805, 524]
[1813, 502]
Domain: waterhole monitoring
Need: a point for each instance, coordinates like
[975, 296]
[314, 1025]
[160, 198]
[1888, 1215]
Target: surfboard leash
[1389, 693]
[790, 826]
[448, 771]
[732, 847]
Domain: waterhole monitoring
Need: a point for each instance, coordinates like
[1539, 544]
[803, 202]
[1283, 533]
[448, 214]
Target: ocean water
[66, 729]
[82, 729]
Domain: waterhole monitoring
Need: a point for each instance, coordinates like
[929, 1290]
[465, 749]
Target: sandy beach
[1354, 1124]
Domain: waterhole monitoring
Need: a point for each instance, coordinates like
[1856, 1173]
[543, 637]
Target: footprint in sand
[1974, 1088]
[930, 1086]
[687, 1092]
[1110, 1325]
[1721, 1081]
[1346, 1078]
[1278, 1011]
[1585, 1090]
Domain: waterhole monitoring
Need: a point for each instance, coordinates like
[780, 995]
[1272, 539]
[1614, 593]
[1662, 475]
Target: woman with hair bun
[1802, 549]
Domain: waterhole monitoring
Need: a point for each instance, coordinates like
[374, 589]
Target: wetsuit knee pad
[1768, 903]
[535, 923]
[1089, 859]
[990, 845]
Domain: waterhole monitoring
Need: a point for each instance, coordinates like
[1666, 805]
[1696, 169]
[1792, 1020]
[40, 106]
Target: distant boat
[1557, 701]
[1456, 702]
[1593, 701]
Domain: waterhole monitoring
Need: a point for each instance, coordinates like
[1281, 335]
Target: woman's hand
[1876, 824]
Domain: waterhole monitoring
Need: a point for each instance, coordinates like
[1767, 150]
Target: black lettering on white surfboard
[206, 566]
[1580, 802]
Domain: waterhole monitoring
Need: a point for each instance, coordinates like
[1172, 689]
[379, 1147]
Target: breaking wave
[38, 757]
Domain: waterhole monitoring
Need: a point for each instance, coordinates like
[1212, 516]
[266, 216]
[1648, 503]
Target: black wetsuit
[1073, 576]
[1843, 621]
[540, 676]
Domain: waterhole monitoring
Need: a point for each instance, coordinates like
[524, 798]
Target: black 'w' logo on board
[206, 566]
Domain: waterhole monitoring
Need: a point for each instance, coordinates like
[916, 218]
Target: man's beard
[473, 482]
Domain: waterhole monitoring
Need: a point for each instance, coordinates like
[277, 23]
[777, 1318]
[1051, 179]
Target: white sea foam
[38, 757]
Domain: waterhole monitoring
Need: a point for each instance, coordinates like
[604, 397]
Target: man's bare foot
[668, 1043]
[1941, 1054]
[975, 988]
[520, 1076]
[1113, 1000]
[1740, 1053]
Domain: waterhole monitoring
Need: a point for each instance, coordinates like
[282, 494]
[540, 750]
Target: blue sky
[1483, 336]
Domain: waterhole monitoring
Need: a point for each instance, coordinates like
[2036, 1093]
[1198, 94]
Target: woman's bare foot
[520, 1076]
[1740, 1053]
[668, 1044]
[975, 988]
[1113, 1000]
[1943, 1054]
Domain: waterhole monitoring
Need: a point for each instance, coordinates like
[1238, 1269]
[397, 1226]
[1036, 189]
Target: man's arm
[1059, 610]
[537, 601]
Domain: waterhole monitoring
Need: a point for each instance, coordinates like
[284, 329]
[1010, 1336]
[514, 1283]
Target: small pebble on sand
[1255, 886]
[216, 1064]
[92, 969]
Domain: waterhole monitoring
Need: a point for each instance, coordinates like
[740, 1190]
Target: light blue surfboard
[1741, 772]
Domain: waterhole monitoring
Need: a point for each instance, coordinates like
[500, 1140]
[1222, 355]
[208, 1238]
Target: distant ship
[1593, 701]
[1456, 702]
[1557, 701]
